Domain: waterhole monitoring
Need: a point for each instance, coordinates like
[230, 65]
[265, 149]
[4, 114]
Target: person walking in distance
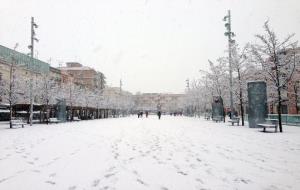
[159, 114]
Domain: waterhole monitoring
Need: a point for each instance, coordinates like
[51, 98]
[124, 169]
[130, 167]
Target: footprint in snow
[246, 181]
[111, 168]
[182, 173]
[135, 172]
[208, 171]
[36, 171]
[109, 175]
[116, 156]
[4, 179]
[141, 182]
[20, 171]
[72, 188]
[199, 180]
[96, 182]
[104, 188]
[199, 160]
[50, 182]
[193, 166]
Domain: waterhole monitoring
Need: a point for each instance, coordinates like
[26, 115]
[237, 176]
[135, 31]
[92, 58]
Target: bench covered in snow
[76, 119]
[217, 118]
[16, 122]
[270, 123]
[54, 120]
[234, 120]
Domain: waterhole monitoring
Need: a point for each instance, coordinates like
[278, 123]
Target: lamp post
[31, 47]
[230, 35]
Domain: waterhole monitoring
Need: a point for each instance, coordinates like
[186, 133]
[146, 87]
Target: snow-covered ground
[174, 153]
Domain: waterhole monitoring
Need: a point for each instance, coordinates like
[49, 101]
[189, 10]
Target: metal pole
[230, 63]
[10, 94]
[30, 86]
[230, 35]
[31, 47]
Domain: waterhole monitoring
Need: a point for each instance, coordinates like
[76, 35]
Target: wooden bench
[54, 120]
[234, 120]
[217, 118]
[76, 119]
[270, 123]
[16, 122]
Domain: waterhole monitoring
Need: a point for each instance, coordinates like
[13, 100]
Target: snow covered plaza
[174, 153]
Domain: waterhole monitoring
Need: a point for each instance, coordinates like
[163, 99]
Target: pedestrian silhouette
[159, 114]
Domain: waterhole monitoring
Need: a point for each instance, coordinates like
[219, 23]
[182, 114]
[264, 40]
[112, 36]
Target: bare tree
[48, 92]
[239, 65]
[12, 89]
[216, 80]
[277, 60]
[219, 79]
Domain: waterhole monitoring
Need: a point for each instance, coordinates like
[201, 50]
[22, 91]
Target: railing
[287, 119]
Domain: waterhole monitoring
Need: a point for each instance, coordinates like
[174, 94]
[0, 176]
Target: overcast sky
[153, 45]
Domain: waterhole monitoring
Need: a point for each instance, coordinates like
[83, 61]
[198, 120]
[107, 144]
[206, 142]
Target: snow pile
[173, 153]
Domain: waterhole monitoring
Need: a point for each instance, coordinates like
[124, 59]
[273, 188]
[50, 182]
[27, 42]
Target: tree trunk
[279, 109]
[278, 91]
[46, 111]
[242, 111]
[241, 98]
[10, 114]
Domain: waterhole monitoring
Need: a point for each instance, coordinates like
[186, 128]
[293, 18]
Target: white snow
[174, 153]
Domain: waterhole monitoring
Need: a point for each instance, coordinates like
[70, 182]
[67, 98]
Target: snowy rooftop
[75, 68]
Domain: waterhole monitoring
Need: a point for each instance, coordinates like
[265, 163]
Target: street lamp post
[31, 47]
[230, 35]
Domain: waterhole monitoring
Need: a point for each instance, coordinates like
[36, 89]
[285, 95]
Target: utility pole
[31, 47]
[230, 35]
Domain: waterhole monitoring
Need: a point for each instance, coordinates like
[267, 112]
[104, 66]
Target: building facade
[84, 76]
[165, 102]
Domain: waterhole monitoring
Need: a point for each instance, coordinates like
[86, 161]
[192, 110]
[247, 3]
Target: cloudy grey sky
[153, 45]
